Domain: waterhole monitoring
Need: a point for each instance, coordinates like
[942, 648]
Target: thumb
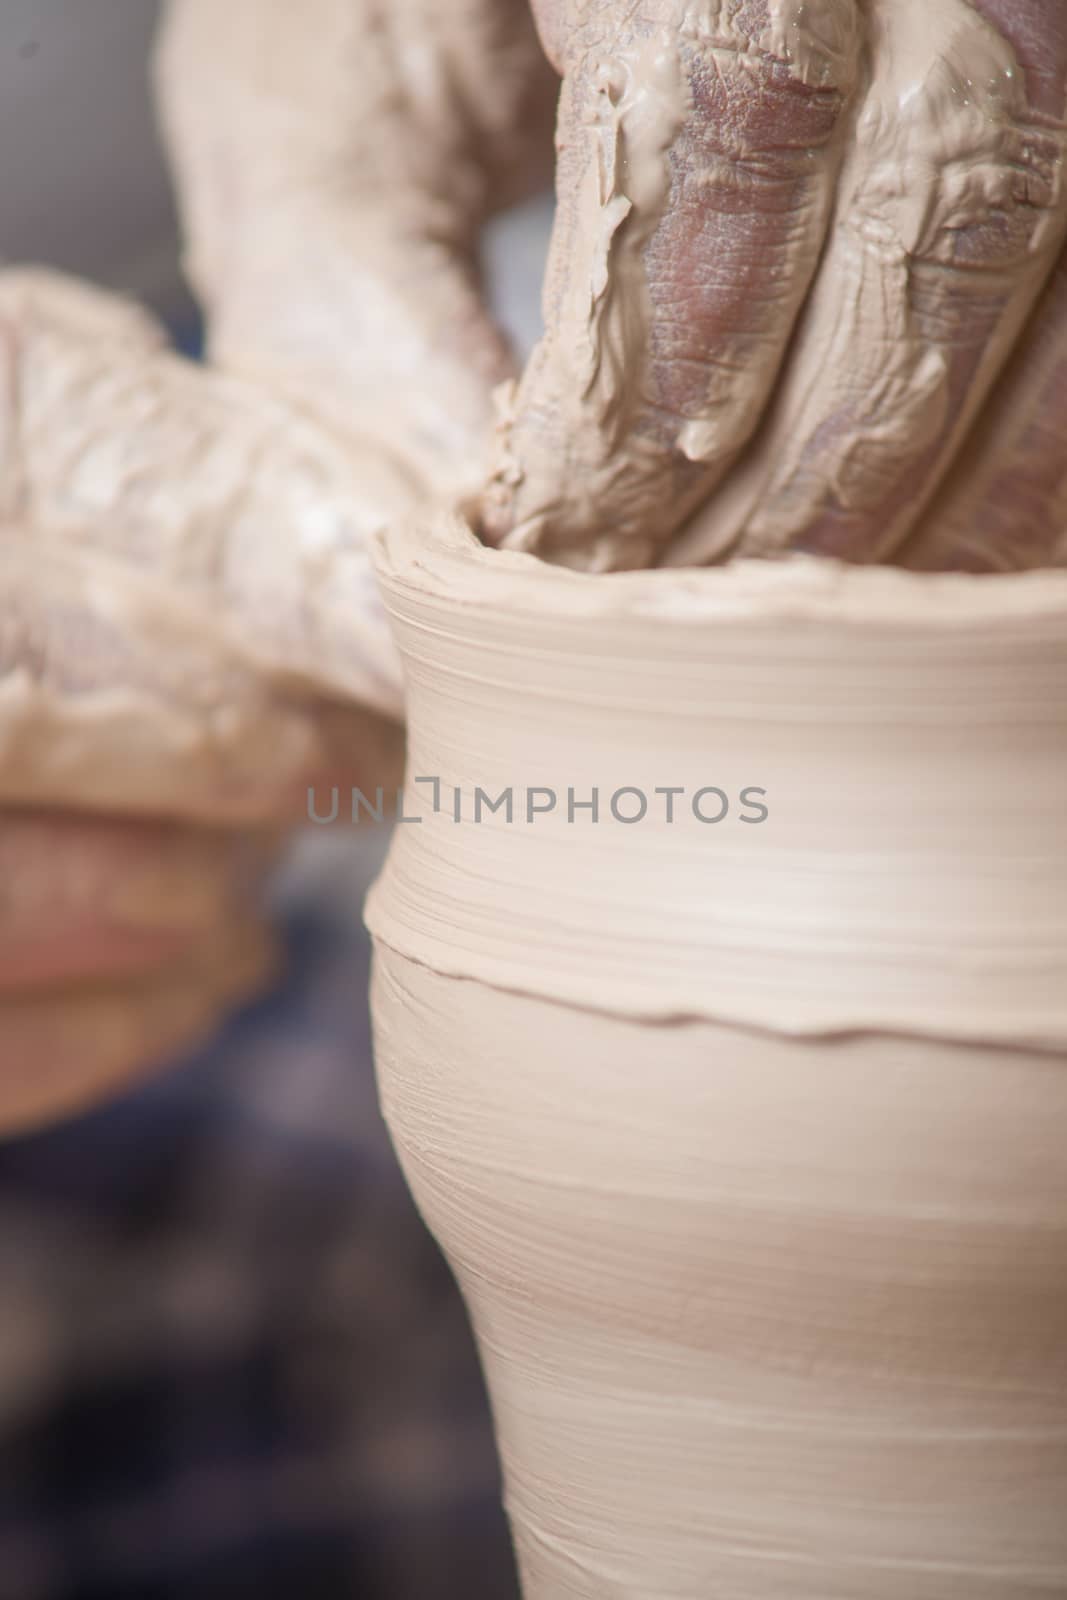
[335, 162]
[185, 565]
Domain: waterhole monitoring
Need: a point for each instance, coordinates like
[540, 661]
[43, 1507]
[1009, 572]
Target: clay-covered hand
[792, 287]
[191, 634]
[336, 161]
[191, 631]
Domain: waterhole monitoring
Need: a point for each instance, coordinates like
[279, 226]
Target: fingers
[184, 567]
[698, 150]
[334, 163]
[951, 212]
[63, 1050]
[1003, 505]
[1037, 32]
[119, 945]
[130, 453]
[93, 898]
[104, 705]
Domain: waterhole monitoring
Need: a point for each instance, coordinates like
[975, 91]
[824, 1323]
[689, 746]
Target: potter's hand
[796, 244]
[335, 161]
[191, 628]
[190, 631]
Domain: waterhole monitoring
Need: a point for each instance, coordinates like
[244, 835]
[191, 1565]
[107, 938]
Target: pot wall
[760, 1317]
[744, 1138]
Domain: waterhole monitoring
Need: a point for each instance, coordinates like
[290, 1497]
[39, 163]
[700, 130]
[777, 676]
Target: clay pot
[745, 1137]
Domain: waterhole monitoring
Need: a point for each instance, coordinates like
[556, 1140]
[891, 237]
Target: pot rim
[446, 558]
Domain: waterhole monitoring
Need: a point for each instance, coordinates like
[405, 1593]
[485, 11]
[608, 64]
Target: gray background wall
[82, 180]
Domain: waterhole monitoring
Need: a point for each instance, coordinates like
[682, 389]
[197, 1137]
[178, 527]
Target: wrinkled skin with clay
[757, 339]
[811, 233]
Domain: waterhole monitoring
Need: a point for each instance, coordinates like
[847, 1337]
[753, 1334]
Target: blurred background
[232, 1362]
[82, 178]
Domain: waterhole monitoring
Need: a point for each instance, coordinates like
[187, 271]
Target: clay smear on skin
[940, 144]
[588, 373]
[871, 406]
